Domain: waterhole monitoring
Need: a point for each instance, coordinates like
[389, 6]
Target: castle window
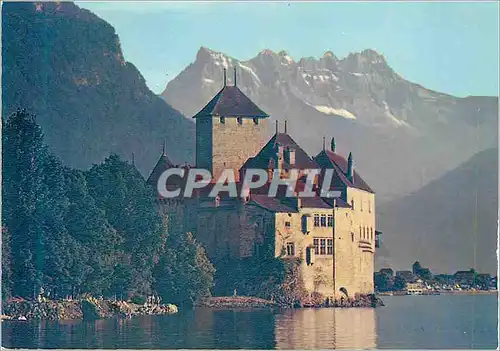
[240, 120]
[316, 220]
[364, 233]
[323, 220]
[304, 224]
[360, 232]
[361, 206]
[256, 121]
[371, 233]
[322, 246]
[330, 220]
[329, 247]
[288, 224]
[369, 206]
[286, 155]
[316, 246]
[290, 249]
[352, 204]
[222, 120]
[309, 255]
[352, 237]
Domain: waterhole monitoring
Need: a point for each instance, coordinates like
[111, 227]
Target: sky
[451, 47]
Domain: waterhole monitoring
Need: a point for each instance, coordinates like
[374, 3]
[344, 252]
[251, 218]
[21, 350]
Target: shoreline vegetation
[441, 292]
[90, 308]
[87, 308]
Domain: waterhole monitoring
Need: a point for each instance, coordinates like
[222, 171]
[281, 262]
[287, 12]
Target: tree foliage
[184, 275]
[277, 279]
[383, 282]
[68, 232]
[399, 283]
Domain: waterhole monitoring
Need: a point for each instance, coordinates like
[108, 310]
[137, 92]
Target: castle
[335, 238]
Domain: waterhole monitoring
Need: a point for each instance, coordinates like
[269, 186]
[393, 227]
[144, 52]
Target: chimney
[332, 145]
[324, 144]
[350, 170]
[234, 76]
[276, 127]
[285, 126]
[225, 77]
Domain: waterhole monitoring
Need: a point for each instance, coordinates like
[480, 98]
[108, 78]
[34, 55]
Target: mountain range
[401, 134]
[448, 225]
[65, 65]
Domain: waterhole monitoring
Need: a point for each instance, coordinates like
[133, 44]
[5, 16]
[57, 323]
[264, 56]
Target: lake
[414, 322]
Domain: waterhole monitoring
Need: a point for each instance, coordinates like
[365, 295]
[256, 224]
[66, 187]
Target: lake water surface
[414, 322]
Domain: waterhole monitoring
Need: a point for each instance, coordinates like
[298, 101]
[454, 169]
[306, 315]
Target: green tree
[184, 274]
[426, 274]
[129, 206]
[399, 283]
[6, 264]
[25, 211]
[416, 268]
[382, 281]
[97, 239]
[483, 281]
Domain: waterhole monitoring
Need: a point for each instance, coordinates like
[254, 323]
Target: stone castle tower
[230, 129]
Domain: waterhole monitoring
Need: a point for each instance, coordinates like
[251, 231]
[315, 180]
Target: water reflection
[326, 328]
[405, 322]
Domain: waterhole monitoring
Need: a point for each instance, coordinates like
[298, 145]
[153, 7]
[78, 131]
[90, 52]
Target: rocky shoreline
[249, 302]
[92, 308]
[87, 308]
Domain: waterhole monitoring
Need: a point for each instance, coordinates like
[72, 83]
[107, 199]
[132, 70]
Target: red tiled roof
[271, 203]
[265, 159]
[231, 101]
[332, 160]
[314, 202]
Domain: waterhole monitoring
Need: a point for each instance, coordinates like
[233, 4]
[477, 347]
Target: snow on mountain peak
[285, 58]
[329, 54]
[266, 52]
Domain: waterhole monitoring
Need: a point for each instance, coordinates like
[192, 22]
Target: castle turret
[229, 130]
[350, 170]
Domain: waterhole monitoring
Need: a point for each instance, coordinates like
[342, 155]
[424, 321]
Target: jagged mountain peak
[329, 55]
[366, 60]
[205, 55]
[359, 99]
[267, 52]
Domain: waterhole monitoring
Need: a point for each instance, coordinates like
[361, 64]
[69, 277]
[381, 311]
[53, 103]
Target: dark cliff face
[402, 135]
[65, 65]
[448, 225]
